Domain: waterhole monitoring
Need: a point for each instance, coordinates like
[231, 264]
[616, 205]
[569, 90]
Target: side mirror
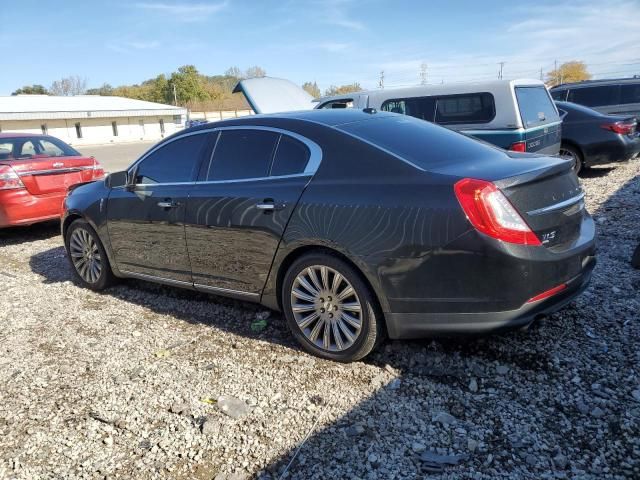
[118, 179]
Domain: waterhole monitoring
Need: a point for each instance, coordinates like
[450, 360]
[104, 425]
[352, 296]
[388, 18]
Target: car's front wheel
[87, 256]
[329, 308]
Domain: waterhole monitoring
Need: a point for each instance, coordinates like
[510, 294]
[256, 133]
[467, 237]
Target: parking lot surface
[131, 383]
[116, 157]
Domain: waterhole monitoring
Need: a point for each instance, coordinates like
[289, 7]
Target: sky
[332, 42]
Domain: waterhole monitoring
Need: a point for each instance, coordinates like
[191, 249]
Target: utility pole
[381, 82]
[175, 95]
[501, 68]
[423, 74]
[541, 76]
[555, 71]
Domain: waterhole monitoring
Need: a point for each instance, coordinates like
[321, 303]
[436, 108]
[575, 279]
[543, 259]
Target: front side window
[291, 157]
[594, 96]
[536, 106]
[241, 154]
[175, 162]
[466, 108]
[28, 149]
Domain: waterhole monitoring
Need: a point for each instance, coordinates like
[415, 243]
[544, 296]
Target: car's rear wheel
[87, 256]
[329, 308]
[572, 153]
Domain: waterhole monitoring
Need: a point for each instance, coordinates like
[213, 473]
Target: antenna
[381, 82]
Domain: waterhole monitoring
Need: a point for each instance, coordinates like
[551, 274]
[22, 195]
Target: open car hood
[273, 95]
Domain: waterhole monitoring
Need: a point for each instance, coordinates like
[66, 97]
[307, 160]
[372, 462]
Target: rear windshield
[422, 143]
[18, 148]
[536, 106]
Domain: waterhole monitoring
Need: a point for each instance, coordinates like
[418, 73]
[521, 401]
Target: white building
[90, 119]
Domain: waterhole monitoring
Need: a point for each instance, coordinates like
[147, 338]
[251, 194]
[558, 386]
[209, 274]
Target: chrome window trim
[557, 206]
[315, 153]
[213, 182]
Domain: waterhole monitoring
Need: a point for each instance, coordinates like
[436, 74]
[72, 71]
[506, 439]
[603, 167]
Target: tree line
[185, 87]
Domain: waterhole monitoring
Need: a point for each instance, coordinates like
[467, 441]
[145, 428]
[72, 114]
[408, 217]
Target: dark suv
[612, 97]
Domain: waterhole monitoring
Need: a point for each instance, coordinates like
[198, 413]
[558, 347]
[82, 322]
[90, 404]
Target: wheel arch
[359, 267]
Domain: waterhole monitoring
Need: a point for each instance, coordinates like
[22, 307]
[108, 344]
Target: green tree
[342, 89]
[312, 89]
[189, 85]
[104, 90]
[31, 90]
[568, 72]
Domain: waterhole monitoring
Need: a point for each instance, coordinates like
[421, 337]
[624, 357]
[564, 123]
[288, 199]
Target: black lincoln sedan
[355, 224]
[592, 138]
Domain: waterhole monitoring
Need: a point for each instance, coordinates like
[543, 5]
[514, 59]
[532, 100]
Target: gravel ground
[145, 381]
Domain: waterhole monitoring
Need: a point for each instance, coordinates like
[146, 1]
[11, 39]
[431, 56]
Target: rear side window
[174, 162]
[242, 154]
[468, 108]
[630, 93]
[594, 96]
[421, 143]
[341, 103]
[559, 95]
[291, 157]
[536, 106]
[418, 107]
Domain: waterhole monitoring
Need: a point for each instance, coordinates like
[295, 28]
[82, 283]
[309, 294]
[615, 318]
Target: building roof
[44, 107]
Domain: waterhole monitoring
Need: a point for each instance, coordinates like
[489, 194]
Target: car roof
[328, 117]
[438, 89]
[607, 81]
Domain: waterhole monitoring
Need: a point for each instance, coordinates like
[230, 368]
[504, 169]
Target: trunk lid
[550, 200]
[273, 95]
[48, 175]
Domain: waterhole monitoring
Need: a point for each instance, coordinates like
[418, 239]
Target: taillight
[549, 293]
[623, 128]
[518, 147]
[9, 180]
[98, 171]
[491, 213]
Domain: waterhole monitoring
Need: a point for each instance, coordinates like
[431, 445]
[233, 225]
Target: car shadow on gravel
[31, 233]
[193, 307]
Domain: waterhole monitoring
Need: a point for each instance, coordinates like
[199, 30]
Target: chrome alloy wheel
[326, 308]
[570, 155]
[85, 255]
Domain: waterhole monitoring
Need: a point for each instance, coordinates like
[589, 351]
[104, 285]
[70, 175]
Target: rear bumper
[415, 325]
[619, 150]
[19, 207]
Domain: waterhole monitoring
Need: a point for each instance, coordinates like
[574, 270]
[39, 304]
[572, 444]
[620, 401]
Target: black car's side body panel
[400, 225]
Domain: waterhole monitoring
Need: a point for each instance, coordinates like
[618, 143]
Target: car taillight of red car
[9, 180]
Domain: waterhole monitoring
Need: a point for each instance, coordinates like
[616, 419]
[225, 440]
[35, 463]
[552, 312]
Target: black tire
[371, 332]
[105, 278]
[572, 152]
[635, 259]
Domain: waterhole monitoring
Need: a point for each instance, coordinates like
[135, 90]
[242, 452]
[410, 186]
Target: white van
[513, 114]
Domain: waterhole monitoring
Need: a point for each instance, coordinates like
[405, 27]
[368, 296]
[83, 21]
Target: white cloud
[184, 11]
[606, 39]
[130, 46]
[334, 12]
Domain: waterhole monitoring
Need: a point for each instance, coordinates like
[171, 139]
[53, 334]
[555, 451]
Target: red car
[35, 173]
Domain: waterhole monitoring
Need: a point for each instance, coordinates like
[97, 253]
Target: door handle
[168, 204]
[268, 205]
